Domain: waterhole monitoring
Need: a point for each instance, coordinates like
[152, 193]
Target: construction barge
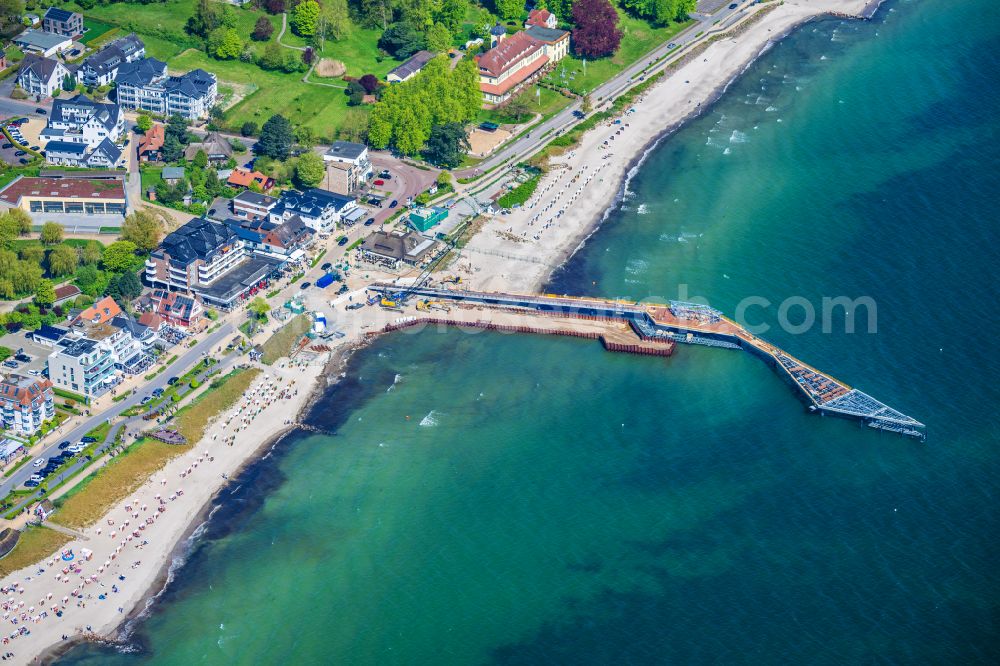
[652, 325]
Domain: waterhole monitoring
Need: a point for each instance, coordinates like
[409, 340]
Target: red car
[380, 182]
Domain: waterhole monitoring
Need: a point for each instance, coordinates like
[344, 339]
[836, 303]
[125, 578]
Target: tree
[259, 308]
[92, 253]
[69, 83]
[120, 256]
[172, 149]
[144, 229]
[509, 9]
[273, 56]
[16, 222]
[305, 18]
[90, 280]
[660, 11]
[275, 138]
[52, 233]
[26, 277]
[452, 14]
[224, 43]
[438, 38]
[177, 127]
[45, 293]
[125, 287]
[596, 34]
[354, 126]
[200, 160]
[586, 106]
[444, 179]
[144, 123]
[369, 82]
[401, 41]
[249, 128]
[33, 253]
[305, 136]
[355, 93]
[262, 30]
[309, 170]
[63, 260]
[274, 6]
[334, 19]
[446, 145]
[207, 17]
[517, 109]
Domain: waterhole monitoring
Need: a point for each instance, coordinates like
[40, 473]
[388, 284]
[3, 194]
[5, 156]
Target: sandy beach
[132, 545]
[518, 252]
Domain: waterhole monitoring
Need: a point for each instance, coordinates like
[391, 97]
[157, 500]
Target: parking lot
[38, 353]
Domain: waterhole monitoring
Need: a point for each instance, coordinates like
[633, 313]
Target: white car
[76, 448]
[38, 463]
[37, 478]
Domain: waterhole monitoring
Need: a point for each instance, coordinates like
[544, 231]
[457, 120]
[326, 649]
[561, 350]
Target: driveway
[178, 367]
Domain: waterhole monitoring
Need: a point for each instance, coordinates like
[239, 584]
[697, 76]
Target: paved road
[532, 141]
[177, 368]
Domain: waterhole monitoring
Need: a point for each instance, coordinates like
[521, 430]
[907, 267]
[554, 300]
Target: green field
[638, 39]
[319, 107]
[548, 103]
[94, 29]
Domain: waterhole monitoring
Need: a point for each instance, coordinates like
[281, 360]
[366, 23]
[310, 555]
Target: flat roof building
[67, 195]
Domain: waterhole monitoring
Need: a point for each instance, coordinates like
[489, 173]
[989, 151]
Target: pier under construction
[674, 322]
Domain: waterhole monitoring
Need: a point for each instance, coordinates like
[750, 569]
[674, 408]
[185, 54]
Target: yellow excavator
[388, 302]
[452, 279]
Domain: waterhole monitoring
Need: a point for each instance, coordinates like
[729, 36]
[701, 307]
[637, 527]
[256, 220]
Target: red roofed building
[543, 18]
[241, 177]
[101, 312]
[177, 309]
[509, 64]
[151, 145]
[66, 292]
[25, 403]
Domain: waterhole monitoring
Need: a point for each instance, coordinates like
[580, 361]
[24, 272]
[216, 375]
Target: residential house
[555, 42]
[215, 146]
[25, 403]
[101, 68]
[320, 210]
[3, 59]
[65, 193]
[252, 205]
[207, 259]
[542, 18]
[514, 61]
[174, 309]
[410, 68]
[393, 250]
[172, 175]
[150, 147]
[241, 177]
[144, 84]
[285, 241]
[40, 76]
[348, 166]
[62, 22]
[82, 132]
[101, 312]
[42, 43]
[83, 366]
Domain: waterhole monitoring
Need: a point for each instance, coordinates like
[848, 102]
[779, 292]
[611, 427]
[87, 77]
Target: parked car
[19, 153]
[11, 363]
[76, 448]
[64, 445]
[732, 6]
[35, 477]
[394, 203]
[370, 221]
[384, 173]
[42, 112]
[157, 392]
[325, 267]
[379, 182]
[90, 440]
[306, 285]
[38, 463]
[23, 358]
[579, 114]
[173, 380]
[343, 241]
[671, 45]
[8, 145]
[30, 484]
[145, 401]
[23, 160]
[36, 148]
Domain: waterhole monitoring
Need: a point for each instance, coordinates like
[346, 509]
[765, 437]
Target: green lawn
[638, 39]
[149, 176]
[94, 29]
[548, 103]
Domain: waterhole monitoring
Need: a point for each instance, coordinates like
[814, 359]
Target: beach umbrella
[48, 596]
[107, 563]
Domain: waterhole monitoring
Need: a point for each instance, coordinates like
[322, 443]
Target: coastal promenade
[690, 323]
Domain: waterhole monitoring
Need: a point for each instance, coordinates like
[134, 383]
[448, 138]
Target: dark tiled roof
[57, 14]
[40, 66]
[254, 199]
[65, 148]
[311, 203]
[141, 72]
[543, 34]
[107, 114]
[198, 239]
[195, 83]
[346, 149]
[112, 152]
[413, 65]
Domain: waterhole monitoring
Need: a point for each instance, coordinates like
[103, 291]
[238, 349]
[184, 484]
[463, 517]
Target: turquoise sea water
[537, 500]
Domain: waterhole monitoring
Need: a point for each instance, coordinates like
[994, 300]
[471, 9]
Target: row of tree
[408, 112]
